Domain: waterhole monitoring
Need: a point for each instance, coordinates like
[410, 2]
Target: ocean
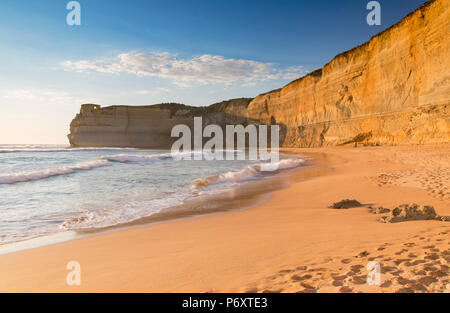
[52, 189]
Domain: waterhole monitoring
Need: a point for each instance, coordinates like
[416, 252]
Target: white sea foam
[53, 148]
[126, 158]
[25, 176]
[281, 165]
[134, 209]
[12, 178]
[131, 211]
[248, 173]
[105, 197]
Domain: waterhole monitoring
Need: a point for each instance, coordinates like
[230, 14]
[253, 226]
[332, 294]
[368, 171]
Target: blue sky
[145, 52]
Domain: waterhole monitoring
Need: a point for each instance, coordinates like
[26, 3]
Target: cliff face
[391, 90]
[147, 126]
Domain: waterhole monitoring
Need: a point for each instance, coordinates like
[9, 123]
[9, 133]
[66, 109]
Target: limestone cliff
[146, 126]
[394, 89]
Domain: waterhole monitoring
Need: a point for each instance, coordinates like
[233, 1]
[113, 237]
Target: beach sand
[291, 243]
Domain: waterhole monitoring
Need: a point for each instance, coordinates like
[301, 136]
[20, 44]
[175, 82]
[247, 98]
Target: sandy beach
[291, 243]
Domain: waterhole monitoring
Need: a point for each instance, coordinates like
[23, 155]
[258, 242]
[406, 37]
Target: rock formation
[378, 210]
[345, 204]
[411, 212]
[392, 90]
[147, 126]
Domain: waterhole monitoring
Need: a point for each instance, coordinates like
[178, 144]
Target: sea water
[52, 189]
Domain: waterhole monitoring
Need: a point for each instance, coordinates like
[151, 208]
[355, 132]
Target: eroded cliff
[392, 90]
[147, 126]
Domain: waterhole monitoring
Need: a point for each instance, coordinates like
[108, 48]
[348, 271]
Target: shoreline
[257, 249]
[245, 195]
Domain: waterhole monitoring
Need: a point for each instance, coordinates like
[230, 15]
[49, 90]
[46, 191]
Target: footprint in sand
[286, 271]
[418, 287]
[362, 254]
[356, 268]
[320, 269]
[432, 256]
[308, 288]
[404, 290]
[430, 268]
[386, 284]
[403, 281]
[359, 280]
[420, 273]
[439, 274]
[422, 266]
[345, 289]
[400, 261]
[417, 262]
[300, 278]
[272, 291]
[427, 280]
[338, 277]
[387, 269]
[346, 261]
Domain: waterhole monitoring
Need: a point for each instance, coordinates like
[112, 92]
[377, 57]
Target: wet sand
[291, 243]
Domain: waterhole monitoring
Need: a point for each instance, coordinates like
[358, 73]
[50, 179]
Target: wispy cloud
[154, 92]
[43, 96]
[200, 70]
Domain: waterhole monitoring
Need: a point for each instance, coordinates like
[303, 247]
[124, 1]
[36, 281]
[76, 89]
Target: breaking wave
[47, 148]
[125, 213]
[26, 176]
[12, 178]
[128, 158]
[248, 173]
[125, 158]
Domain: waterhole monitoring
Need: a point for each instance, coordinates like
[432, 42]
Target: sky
[141, 52]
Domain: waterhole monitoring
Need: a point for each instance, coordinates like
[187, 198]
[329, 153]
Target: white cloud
[201, 70]
[43, 96]
[153, 92]
[294, 72]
